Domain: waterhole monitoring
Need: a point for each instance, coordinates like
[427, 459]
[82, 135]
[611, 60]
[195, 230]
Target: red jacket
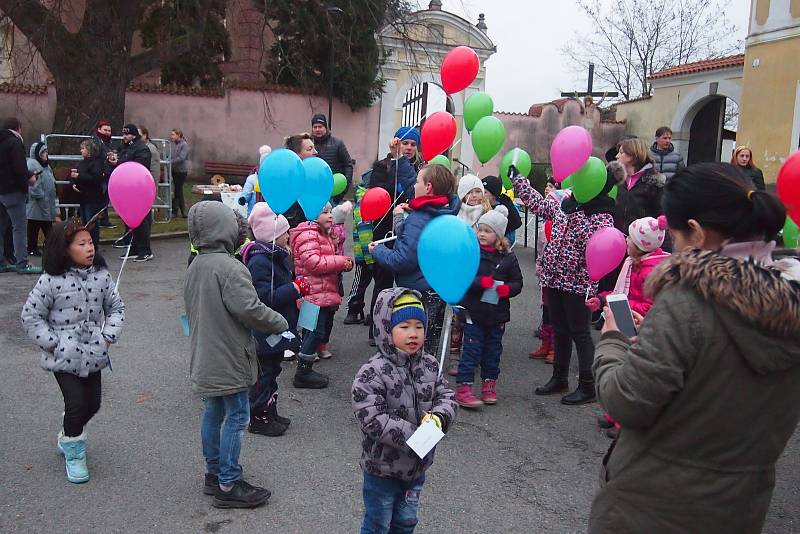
[315, 259]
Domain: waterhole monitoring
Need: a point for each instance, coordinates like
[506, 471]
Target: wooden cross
[589, 88]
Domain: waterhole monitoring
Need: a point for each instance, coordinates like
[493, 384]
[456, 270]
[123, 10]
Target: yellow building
[769, 120]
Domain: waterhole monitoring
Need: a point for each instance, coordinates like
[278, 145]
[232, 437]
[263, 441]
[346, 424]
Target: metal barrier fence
[163, 202]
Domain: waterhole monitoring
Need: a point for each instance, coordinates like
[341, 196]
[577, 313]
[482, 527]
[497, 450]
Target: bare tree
[633, 39]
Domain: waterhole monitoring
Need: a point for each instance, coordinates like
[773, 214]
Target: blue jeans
[12, 210]
[222, 442]
[483, 346]
[390, 505]
[311, 340]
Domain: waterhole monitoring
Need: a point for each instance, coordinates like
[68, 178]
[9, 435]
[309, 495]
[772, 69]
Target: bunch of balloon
[318, 187]
[281, 177]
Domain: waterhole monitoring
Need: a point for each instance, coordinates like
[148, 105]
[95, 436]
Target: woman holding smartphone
[706, 393]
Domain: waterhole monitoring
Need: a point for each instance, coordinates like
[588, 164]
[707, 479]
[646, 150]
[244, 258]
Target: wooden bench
[228, 170]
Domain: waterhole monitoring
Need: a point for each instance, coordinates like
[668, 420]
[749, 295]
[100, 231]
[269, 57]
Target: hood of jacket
[670, 149]
[382, 318]
[758, 305]
[34, 167]
[213, 228]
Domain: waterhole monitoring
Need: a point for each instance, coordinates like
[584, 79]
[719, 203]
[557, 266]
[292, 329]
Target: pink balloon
[132, 191]
[570, 151]
[604, 252]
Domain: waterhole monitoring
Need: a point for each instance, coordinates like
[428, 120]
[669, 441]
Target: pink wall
[228, 129]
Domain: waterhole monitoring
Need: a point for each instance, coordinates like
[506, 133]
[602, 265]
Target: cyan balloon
[281, 177]
[448, 255]
[318, 188]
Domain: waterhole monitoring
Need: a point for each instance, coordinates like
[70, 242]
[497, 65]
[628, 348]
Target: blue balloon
[318, 188]
[449, 255]
[281, 178]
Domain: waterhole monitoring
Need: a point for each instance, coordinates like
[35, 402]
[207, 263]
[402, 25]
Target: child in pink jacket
[316, 260]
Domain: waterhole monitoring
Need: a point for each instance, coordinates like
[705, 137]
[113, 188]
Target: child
[565, 278]
[223, 307]
[41, 207]
[645, 237]
[483, 337]
[434, 195]
[267, 259]
[315, 259]
[396, 390]
[362, 237]
[74, 314]
[493, 190]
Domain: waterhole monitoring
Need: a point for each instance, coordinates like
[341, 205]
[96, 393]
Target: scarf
[436, 201]
[470, 214]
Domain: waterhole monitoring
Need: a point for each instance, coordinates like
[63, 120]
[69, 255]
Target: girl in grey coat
[41, 206]
[74, 314]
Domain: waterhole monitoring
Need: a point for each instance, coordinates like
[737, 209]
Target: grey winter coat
[707, 398]
[64, 315]
[391, 394]
[667, 162]
[222, 306]
[42, 195]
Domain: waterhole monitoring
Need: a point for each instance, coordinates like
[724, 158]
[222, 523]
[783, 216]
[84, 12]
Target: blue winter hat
[406, 307]
[408, 132]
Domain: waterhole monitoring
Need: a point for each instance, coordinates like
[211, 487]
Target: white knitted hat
[497, 220]
[467, 183]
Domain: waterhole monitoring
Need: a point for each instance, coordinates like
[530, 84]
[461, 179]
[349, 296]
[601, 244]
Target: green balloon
[589, 180]
[441, 159]
[614, 192]
[339, 184]
[476, 107]
[567, 183]
[519, 159]
[488, 137]
[790, 233]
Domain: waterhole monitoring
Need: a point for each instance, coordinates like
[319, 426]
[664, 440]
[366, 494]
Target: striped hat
[406, 307]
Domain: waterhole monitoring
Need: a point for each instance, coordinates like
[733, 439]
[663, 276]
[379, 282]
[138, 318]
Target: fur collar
[768, 297]
[617, 170]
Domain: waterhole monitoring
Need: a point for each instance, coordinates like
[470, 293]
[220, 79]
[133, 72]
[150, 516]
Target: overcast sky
[528, 66]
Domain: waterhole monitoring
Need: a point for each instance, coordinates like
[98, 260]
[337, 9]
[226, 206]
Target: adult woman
[180, 169]
[707, 393]
[87, 180]
[639, 195]
[743, 160]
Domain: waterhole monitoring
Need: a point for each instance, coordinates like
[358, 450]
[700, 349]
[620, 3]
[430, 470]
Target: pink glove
[593, 304]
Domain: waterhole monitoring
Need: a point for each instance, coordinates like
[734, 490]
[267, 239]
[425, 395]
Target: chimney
[435, 5]
[481, 25]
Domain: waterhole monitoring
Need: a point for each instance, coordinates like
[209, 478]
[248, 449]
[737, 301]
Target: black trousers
[265, 391]
[178, 179]
[140, 240]
[34, 227]
[81, 400]
[571, 323]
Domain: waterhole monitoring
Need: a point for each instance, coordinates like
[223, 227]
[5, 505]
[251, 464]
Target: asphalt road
[526, 465]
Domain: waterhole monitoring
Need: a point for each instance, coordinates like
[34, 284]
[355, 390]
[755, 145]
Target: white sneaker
[289, 355]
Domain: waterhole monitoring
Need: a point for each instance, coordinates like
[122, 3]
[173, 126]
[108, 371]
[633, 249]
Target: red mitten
[503, 291]
[302, 285]
[593, 304]
[487, 282]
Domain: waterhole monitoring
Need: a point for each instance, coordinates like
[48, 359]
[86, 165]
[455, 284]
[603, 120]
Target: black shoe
[241, 495]
[272, 412]
[211, 484]
[120, 244]
[612, 432]
[354, 317]
[307, 378]
[143, 257]
[583, 394]
[553, 386]
[260, 425]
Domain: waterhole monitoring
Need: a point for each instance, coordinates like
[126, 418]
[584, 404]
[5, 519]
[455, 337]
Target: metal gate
[162, 205]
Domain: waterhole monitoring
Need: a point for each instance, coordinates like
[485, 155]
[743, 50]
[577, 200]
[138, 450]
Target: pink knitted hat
[265, 224]
[648, 233]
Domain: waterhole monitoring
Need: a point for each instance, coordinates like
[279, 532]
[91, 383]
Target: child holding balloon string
[564, 275]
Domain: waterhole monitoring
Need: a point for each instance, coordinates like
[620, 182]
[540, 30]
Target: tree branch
[40, 26]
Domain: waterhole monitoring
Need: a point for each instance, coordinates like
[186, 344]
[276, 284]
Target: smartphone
[622, 313]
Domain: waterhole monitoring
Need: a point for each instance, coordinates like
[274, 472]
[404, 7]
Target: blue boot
[74, 450]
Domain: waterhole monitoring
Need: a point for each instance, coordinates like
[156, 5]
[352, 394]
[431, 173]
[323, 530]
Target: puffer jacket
[706, 396]
[42, 195]
[391, 393]
[667, 162]
[334, 152]
[562, 264]
[316, 260]
[502, 266]
[222, 306]
[402, 259]
[73, 317]
[638, 299]
[643, 200]
[136, 151]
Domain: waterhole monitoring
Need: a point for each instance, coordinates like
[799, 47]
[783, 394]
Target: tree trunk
[81, 101]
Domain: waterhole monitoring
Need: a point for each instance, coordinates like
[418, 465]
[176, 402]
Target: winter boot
[547, 343]
[74, 449]
[558, 383]
[272, 413]
[354, 317]
[305, 377]
[261, 424]
[466, 398]
[488, 395]
[584, 393]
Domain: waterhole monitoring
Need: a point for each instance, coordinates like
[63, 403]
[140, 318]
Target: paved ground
[527, 465]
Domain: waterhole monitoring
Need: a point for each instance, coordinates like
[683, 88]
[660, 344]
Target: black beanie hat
[319, 118]
[493, 185]
[130, 128]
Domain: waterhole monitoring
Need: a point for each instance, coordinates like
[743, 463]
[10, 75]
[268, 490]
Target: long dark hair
[720, 197]
[55, 258]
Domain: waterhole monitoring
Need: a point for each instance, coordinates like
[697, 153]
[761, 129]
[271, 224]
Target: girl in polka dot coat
[74, 314]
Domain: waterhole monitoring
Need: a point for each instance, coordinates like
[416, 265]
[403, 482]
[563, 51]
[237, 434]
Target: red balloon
[459, 69]
[438, 133]
[375, 203]
[789, 185]
[548, 230]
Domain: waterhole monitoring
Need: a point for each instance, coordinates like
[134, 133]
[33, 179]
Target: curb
[154, 237]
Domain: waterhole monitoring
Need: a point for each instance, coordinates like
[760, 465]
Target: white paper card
[274, 339]
[425, 438]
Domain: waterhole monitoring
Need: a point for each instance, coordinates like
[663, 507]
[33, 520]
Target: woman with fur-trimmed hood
[707, 392]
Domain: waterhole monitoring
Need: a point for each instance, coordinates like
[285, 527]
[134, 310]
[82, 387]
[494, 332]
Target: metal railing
[163, 202]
